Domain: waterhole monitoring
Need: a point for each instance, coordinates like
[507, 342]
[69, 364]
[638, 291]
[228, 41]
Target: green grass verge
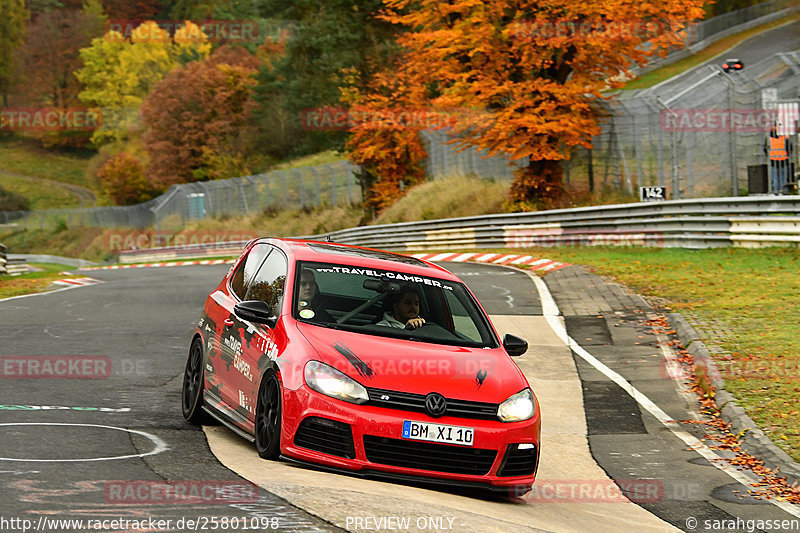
[659, 75]
[28, 158]
[38, 195]
[752, 296]
[32, 282]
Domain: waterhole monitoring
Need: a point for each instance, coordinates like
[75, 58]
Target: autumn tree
[119, 73]
[122, 178]
[48, 59]
[530, 72]
[388, 149]
[12, 32]
[196, 120]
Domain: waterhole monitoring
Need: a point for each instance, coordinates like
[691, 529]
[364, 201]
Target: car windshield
[380, 302]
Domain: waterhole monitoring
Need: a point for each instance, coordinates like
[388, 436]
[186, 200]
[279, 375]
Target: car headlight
[518, 407]
[328, 381]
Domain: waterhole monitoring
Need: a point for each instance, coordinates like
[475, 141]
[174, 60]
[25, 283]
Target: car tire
[268, 417]
[193, 385]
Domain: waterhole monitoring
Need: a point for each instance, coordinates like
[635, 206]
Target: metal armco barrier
[216, 249]
[3, 259]
[698, 223]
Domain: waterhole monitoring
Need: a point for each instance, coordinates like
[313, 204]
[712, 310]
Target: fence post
[300, 192]
[734, 169]
[333, 185]
[285, 188]
[316, 185]
[244, 196]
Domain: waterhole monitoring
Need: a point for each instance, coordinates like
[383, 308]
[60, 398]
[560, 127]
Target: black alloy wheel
[268, 417]
[193, 381]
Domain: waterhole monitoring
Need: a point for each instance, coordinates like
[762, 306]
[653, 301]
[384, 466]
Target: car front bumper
[368, 440]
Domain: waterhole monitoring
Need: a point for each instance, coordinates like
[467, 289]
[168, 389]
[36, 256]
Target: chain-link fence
[447, 160]
[703, 137]
[329, 184]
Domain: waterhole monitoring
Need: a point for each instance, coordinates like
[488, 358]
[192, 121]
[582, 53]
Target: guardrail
[215, 249]
[698, 223]
[2, 259]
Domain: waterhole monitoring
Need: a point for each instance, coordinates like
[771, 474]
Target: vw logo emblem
[435, 404]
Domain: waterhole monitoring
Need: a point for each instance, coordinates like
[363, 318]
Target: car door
[257, 342]
[230, 339]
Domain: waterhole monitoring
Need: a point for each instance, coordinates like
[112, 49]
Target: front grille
[406, 401]
[428, 456]
[326, 436]
[518, 462]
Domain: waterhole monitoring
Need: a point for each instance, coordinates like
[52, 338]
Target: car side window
[462, 321]
[270, 281]
[246, 271]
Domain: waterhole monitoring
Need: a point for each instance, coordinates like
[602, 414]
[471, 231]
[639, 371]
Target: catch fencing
[313, 186]
[683, 135]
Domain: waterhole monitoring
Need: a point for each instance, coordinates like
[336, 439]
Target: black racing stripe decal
[362, 367]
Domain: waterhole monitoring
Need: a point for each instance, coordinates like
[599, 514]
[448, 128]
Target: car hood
[475, 374]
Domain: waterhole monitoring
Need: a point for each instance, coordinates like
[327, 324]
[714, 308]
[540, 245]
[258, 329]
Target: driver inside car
[404, 310]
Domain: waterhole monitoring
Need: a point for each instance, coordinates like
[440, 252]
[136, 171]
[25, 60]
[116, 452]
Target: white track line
[551, 312]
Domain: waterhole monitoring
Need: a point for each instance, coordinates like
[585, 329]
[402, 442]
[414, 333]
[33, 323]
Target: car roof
[331, 252]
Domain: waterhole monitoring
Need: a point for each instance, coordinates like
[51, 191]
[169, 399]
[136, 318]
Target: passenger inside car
[309, 303]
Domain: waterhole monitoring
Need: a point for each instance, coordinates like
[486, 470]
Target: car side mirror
[257, 311]
[514, 345]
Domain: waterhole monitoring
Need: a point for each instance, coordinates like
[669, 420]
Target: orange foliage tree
[122, 177]
[530, 72]
[384, 141]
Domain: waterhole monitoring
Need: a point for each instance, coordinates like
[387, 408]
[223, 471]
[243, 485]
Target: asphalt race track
[95, 448]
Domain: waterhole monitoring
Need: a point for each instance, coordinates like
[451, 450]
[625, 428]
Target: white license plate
[438, 433]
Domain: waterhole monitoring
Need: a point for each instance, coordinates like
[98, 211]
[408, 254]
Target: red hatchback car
[364, 361]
